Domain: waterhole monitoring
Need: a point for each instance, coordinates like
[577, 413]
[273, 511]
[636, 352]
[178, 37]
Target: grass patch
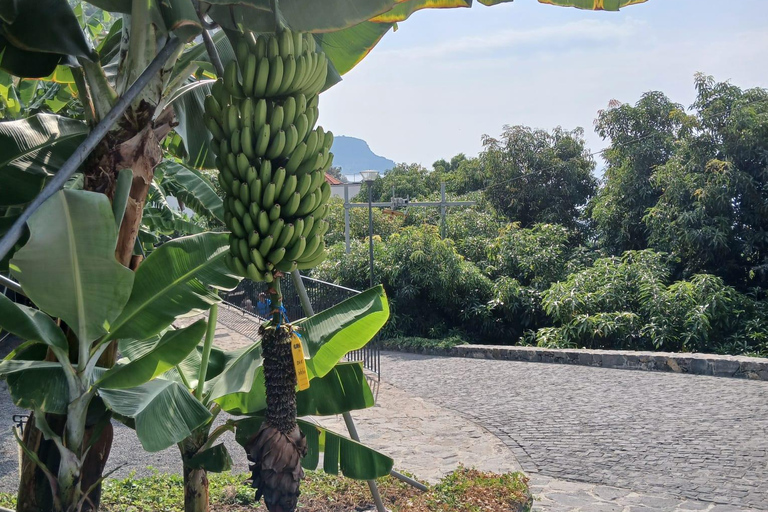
[464, 490]
[418, 344]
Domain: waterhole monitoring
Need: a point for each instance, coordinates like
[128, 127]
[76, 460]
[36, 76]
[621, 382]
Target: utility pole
[399, 202]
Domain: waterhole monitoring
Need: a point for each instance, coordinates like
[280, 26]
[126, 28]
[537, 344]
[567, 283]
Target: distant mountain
[353, 155]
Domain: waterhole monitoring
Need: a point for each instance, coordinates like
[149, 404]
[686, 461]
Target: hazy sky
[431, 89]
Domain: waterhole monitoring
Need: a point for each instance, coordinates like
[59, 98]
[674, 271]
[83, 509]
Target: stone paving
[657, 439]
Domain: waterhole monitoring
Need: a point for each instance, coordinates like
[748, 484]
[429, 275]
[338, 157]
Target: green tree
[538, 176]
[642, 137]
[711, 214]
[461, 175]
[407, 180]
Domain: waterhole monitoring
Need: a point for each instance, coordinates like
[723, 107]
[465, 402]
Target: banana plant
[68, 269]
[45, 39]
[234, 382]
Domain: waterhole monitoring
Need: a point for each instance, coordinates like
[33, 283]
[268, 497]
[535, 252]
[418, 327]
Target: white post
[442, 209]
[346, 216]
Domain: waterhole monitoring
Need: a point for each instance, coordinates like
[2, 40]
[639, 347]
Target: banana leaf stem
[206, 351]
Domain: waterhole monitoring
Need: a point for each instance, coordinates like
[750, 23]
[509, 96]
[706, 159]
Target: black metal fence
[243, 313]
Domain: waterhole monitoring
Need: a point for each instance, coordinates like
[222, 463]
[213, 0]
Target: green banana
[257, 259]
[305, 182]
[244, 194]
[287, 265]
[246, 112]
[261, 47]
[249, 74]
[302, 125]
[266, 172]
[214, 128]
[260, 114]
[266, 245]
[298, 229]
[296, 158]
[234, 141]
[291, 139]
[275, 75]
[278, 115]
[241, 52]
[287, 190]
[213, 108]
[326, 192]
[292, 205]
[289, 112]
[262, 140]
[262, 76]
[236, 266]
[311, 143]
[273, 49]
[285, 235]
[235, 187]
[285, 42]
[274, 212]
[256, 191]
[278, 178]
[276, 255]
[231, 82]
[275, 148]
[219, 92]
[306, 206]
[246, 142]
[253, 239]
[297, 249]
[253, 273]
[312, 244]
[309, 221]
[289, 70]
[317, 179]
[242, 166]
[237, 228]
[304, 265]
[263, 223]
[268, 199]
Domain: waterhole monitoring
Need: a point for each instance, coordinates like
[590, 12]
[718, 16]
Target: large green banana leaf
[33, 149]
[329, 336]
[175, 280]
[162, 412]
[343, 328]
[355, 460]
[171, 349]
[189, 110]
[31, 325]
[36, 385]
[403, 10]
[343, 389]
[68, 266]
[193, 188]
[37, 35]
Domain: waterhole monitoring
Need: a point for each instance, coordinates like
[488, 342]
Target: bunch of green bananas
[272, 160]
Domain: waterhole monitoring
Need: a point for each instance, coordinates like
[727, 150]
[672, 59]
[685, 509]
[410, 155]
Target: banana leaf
[353, 459]
[194, 189]
[68, 266]
[32, 150]
[343, 328]
[31, 325]
[162, 412]
[37, 384]
[343, 389]
[173, 281]
[171, 349]
[41, 35]
[215, 459]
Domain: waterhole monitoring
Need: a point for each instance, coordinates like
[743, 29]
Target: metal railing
[243, 314]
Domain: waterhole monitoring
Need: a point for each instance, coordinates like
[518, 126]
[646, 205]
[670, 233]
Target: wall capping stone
[743, 367]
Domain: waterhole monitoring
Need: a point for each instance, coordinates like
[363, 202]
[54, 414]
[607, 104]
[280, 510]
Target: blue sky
[431, 89]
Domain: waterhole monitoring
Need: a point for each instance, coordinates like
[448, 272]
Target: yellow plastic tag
[298, 362]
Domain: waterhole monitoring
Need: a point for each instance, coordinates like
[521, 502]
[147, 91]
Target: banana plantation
[110, 109]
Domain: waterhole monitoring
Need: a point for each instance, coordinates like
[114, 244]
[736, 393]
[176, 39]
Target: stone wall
[698, 364]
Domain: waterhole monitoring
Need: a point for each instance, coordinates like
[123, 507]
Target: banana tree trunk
[134, 144]
[195, 480]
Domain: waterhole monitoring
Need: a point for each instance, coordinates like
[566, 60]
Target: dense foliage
[669, 253]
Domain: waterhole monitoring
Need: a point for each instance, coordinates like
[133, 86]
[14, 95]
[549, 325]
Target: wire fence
[244, 311]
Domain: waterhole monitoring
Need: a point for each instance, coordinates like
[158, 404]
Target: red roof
[331, 180]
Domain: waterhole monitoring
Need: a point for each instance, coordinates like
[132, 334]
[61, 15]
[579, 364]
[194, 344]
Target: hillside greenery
[667, 251]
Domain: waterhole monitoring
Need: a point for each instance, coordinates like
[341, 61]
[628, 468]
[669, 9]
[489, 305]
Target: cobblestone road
[694, 437]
